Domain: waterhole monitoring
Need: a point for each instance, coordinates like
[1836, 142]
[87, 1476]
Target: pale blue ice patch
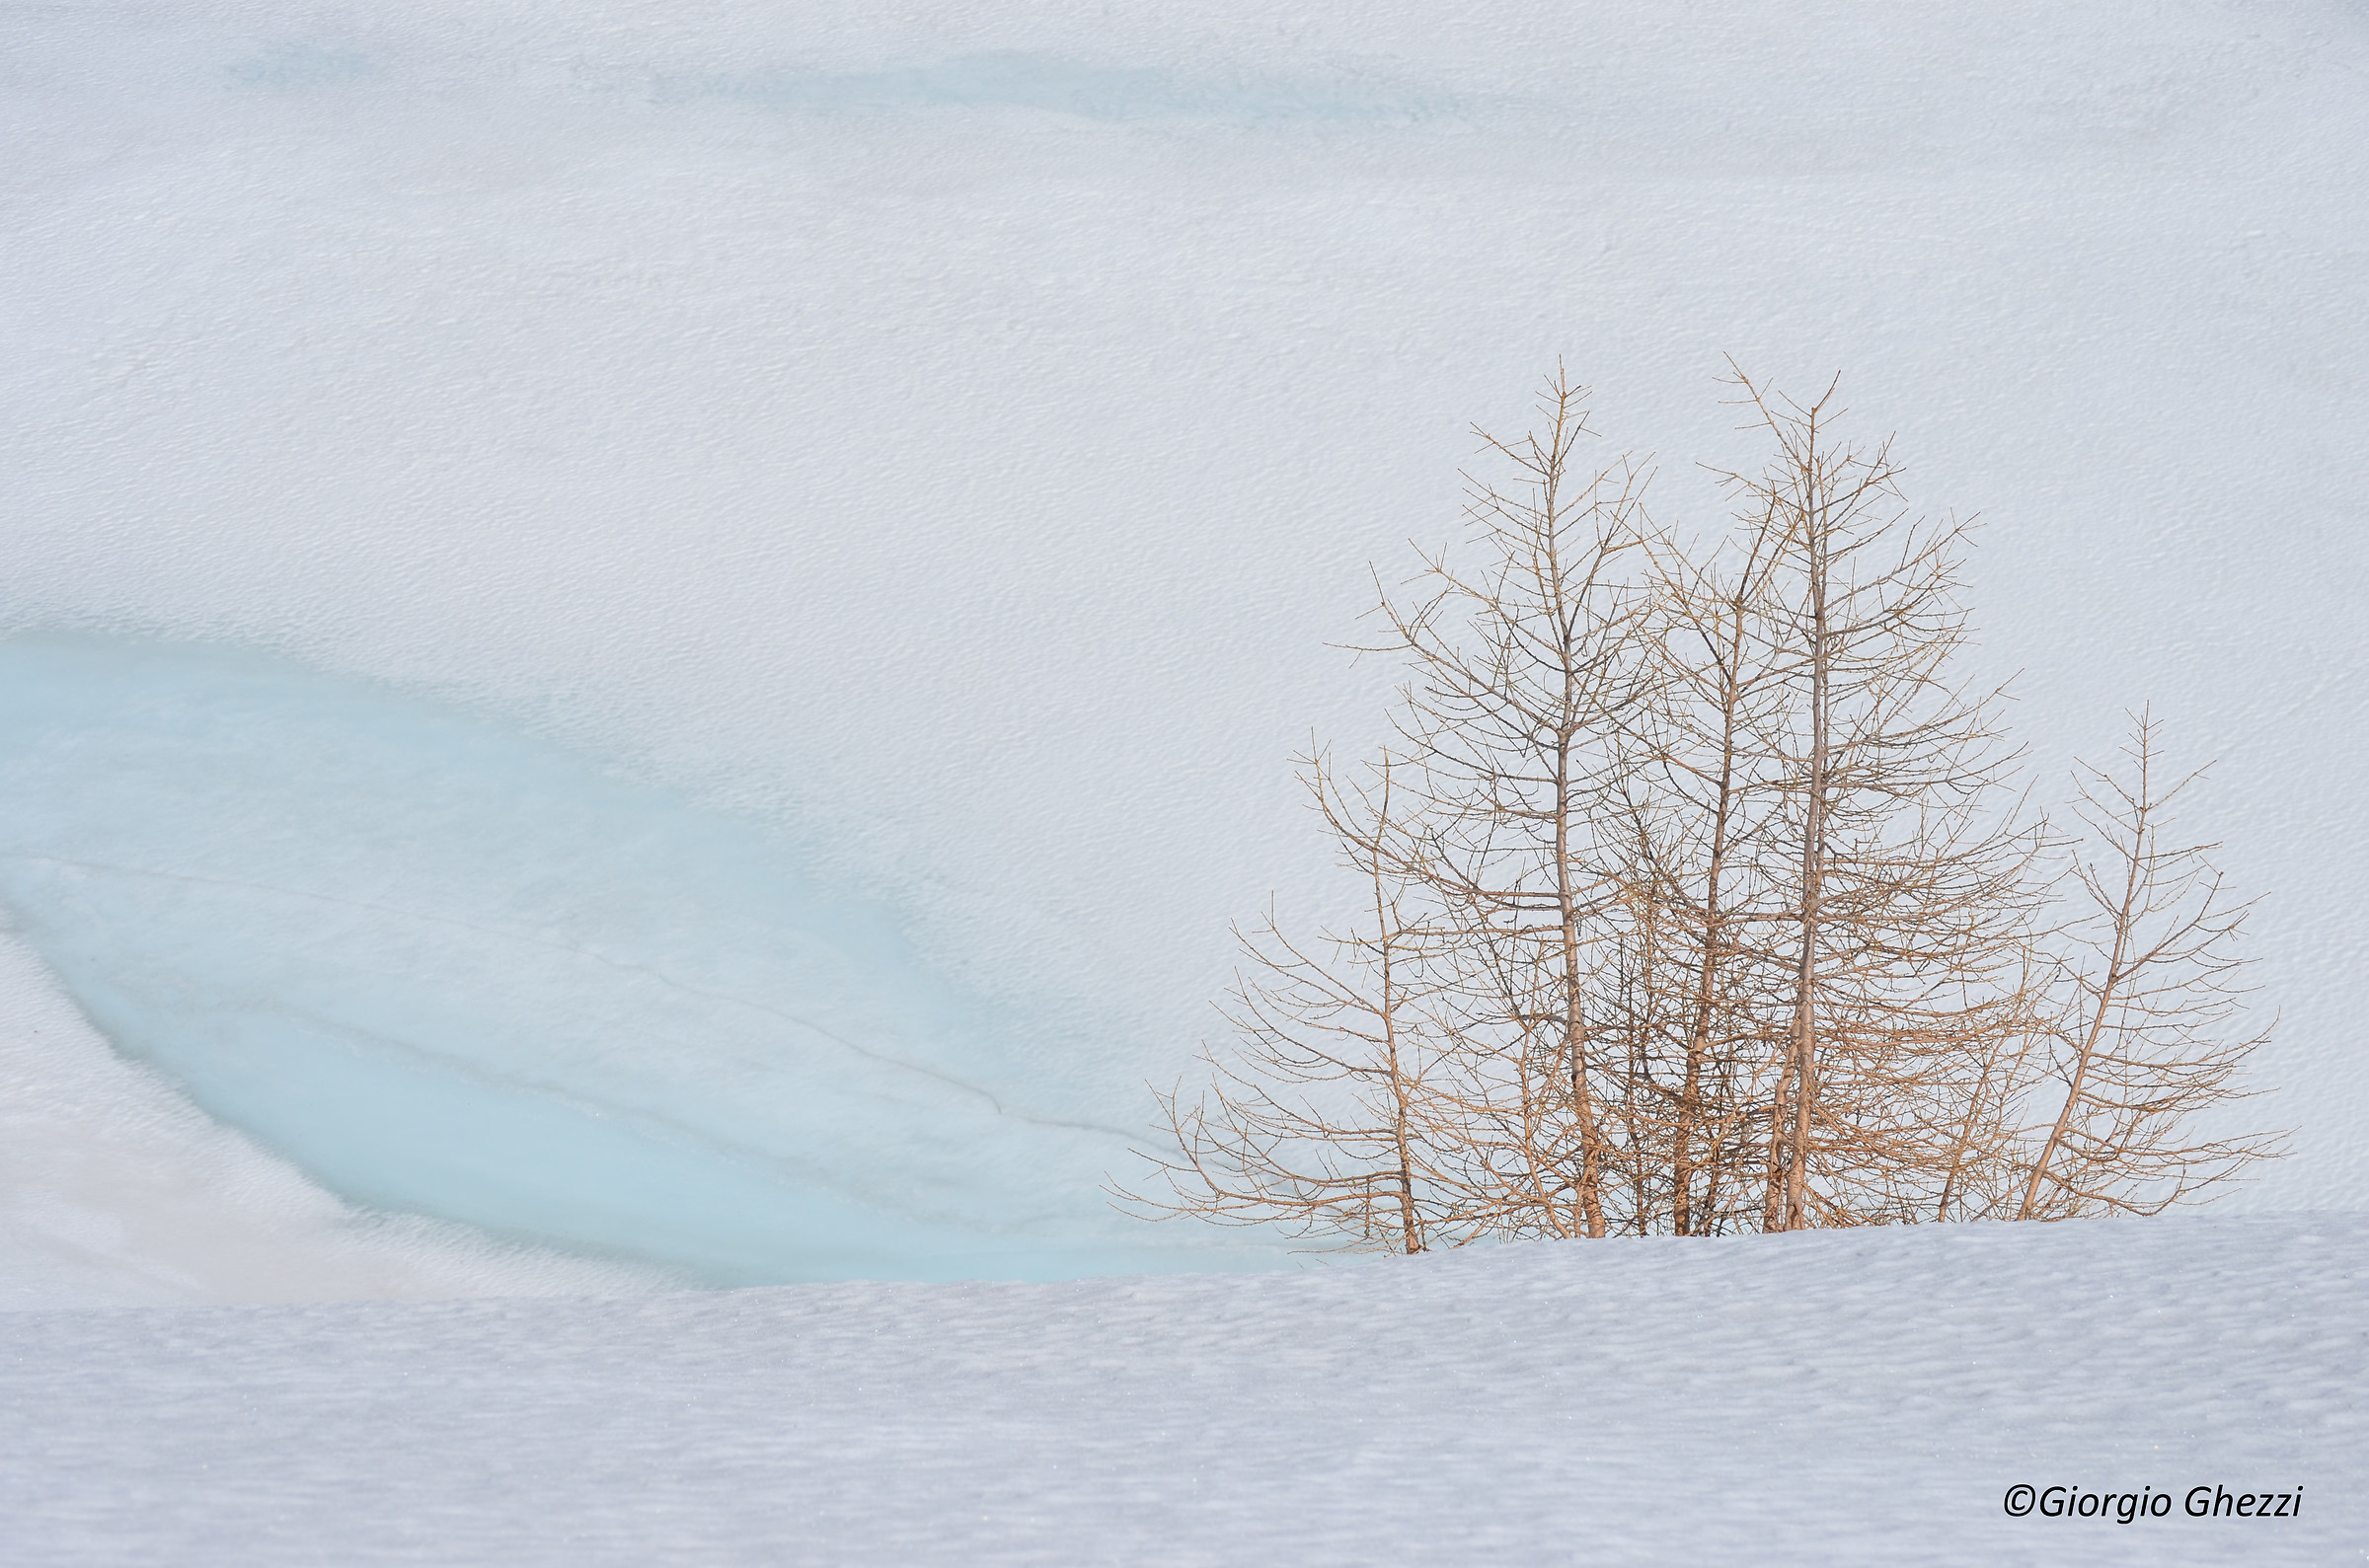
[452, 970]
[1011, 80]
[294, 66]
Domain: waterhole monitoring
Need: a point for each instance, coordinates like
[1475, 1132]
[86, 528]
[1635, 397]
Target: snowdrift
[1864, 1397]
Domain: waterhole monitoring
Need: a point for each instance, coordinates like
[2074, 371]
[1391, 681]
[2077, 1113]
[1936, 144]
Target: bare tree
[1318, 1125]
[1700, 815]
[1699, 901]
[2144, 1051]
[1465, 1008]
[1909, 889]
[1526, 667]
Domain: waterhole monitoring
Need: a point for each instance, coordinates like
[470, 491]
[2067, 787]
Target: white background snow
[936, 451]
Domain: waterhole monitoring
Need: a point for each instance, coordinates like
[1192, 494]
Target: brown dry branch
[1909, 885]
[1319, 1125]
[1526, 667]
[1699, 901]
[2144, 1048]
[1699, 813]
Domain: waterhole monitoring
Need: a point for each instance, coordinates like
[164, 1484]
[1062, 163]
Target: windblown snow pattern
[672, 630]
[1861, 1397]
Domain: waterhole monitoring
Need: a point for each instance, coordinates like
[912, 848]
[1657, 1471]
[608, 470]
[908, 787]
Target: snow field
[1852, 1398]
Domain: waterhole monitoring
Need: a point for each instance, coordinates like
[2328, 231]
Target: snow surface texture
[937, 448]
[1861, 1397]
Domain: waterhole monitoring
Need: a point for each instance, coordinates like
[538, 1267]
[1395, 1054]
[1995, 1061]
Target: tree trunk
[1813, 870]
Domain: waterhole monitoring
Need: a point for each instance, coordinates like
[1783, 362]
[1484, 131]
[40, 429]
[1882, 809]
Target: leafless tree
[1911, 888]
[1701, 816]
[2144, 1049]
[1528, 663]
[1491, 900]
[1318, 1123]
[1698, 900]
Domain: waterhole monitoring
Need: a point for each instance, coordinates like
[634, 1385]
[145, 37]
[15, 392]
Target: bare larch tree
[1907, 889]
[2144, 1052]
[1697, 899]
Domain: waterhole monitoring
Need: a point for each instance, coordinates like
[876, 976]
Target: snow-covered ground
[1867, 1397]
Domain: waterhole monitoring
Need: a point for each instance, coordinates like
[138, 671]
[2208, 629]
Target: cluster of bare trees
[1697, 901]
